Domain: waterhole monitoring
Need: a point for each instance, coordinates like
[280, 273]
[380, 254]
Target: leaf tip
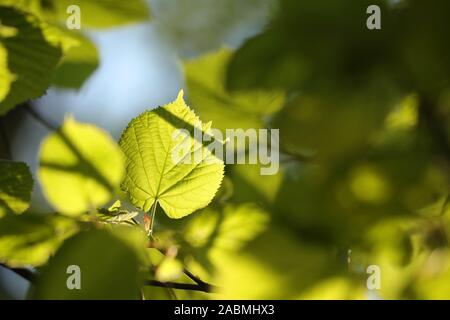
[180, 95]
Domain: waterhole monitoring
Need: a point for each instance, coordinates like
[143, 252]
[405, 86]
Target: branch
[5, 138]
[205, 287]
[199, 282]
[36, 115]
[195, 278]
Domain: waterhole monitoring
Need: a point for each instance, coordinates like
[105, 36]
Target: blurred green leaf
[31, 58]
[80, 167]
[227, 229]
[205, 78]
[319, 48]
[330, 127]
[77, 64]
[16, 184]
[29, 240]
[6, 76]
[170, 269]
[104, 13]
[109, 269]
[280, 265]
[153, 177]
[314, 45]
[358, 191]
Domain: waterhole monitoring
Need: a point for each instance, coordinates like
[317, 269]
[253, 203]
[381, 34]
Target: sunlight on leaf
[6, 76]
[29, 240]
[80, 167]
[226, 230]
[170, 269]
[151, 173]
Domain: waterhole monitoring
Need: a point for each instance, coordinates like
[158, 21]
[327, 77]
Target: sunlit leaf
[229, 229]
[279, 275]
[29, 240]
[80, 167]
[170, 269]
[6, 76]
[151, 173]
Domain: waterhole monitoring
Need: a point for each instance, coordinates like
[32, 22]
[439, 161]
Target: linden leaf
[152, 175]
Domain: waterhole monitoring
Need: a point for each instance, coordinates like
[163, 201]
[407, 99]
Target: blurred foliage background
[364, 119]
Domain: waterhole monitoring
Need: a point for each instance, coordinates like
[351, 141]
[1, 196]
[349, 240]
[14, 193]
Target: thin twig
[204, 287]
[194, 278]
[36, 115]
[5, 138]
[152, 218]
[182, 286]
[24, 273]
[190, 275]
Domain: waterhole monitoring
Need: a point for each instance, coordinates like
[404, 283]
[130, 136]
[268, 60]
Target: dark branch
[5, 138]
[202, 286]
[36, 115]
[199, 282]
[182, 286]
[194, 278]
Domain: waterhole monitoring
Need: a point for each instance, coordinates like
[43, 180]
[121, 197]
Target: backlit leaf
[80, 167]
[29, 240]
[151, 173]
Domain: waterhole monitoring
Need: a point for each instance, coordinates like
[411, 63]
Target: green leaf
[108, 264]
[31, 59]
[205, 78]
[339, 54]
[6, 76]
[104, 13]
[151, 174]
[78, 63]
[31, 239]
[229, 229]
[16, 184]
[170, 269]
[80, 167]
